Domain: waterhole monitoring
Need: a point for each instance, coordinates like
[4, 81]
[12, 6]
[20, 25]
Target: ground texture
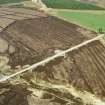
[34, 38]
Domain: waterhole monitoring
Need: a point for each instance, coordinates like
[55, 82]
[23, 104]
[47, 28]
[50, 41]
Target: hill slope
[48, 28]
[32, 40]
[37, 39]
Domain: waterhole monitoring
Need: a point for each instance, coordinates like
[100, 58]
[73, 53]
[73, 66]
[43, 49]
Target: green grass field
[90, 19]
[70, 4]
[10, 1]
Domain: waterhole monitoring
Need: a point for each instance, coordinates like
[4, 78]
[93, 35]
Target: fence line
[43, 62]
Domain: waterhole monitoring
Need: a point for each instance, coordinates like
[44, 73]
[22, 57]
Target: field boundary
[47, 60]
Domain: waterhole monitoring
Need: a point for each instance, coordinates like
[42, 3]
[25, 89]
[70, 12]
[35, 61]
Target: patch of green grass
[92, 20]
[70, 4]
[10, 1]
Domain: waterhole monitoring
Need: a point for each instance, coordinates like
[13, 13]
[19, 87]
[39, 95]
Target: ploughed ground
[60, 82]
[32, 40]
